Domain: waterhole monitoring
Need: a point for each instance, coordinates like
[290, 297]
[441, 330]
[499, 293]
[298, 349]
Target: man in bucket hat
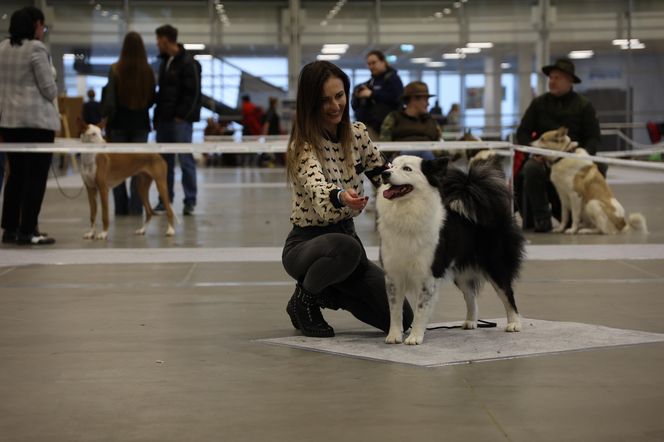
[561, 106]
[413, 122]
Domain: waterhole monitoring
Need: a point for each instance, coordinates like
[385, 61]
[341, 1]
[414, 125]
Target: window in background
[474, 111]
[274, 70]
[431, 80]
[449, 87]
[508, 105]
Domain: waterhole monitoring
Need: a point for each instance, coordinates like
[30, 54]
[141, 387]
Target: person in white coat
[27, 115]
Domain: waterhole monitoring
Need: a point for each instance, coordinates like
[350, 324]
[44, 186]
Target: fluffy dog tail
[481, 195]
[637, 222]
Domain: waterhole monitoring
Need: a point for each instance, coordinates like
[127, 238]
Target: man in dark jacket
[561, 106]
[379, 96]
[178, 107]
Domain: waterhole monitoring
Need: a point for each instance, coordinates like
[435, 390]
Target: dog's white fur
[409, 230]
[584, 192]
[101, 172]
[409, 237]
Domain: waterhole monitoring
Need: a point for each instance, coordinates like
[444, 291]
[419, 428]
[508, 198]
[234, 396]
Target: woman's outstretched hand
[350, 198]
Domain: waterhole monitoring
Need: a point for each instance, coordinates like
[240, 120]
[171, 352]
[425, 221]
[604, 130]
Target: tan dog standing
[584, 191]
[103, 171]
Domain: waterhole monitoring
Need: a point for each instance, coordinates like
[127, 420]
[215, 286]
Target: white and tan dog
[584, 192]
[103, 171]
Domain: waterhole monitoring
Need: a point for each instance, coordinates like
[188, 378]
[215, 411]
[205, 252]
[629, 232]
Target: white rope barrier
[75, 146]
[593, 158]
[631, 142]
[632, 153]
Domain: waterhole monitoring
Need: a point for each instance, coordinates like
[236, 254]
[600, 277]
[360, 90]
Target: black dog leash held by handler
[480, 324]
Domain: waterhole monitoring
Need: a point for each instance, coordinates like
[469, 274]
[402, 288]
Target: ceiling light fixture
[624, 41]
[505, 65]
[328, 57]
[468, 50]
[638, 45]
[194, 46]
[420, 60]
[336, 45]
[453, 56]
[481, 45]
[221, 13]
[581, 54]
[435, 64]
[333, 12]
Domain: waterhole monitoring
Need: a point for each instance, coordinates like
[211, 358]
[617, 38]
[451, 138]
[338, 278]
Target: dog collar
[567, 149]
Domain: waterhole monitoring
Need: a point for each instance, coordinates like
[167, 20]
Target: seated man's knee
[533, 169]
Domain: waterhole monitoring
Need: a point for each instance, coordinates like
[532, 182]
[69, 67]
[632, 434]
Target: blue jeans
[124, 204]
[179, 132]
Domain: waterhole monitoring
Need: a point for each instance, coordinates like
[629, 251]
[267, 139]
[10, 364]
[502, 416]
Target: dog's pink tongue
[389, 193]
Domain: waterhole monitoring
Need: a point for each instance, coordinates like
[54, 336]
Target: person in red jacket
[251, 117]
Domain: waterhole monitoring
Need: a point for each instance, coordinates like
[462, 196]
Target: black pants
[535, 194]
[26, 183]
[331, 262]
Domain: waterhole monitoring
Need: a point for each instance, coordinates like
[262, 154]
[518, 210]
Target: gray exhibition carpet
[455, 346]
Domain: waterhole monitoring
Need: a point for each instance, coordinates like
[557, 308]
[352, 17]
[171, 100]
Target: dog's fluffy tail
[637, 222]
[481, 195]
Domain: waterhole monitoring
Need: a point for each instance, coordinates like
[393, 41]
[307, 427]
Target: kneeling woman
[325, 159]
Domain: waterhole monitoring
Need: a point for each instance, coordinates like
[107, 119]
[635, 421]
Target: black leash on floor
[62, 192]
[480, 324]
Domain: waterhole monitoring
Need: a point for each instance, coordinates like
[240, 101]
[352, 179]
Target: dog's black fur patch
[434, 170]
[493, 243]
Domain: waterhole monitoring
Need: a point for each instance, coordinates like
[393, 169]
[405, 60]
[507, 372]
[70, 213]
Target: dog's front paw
[394, 337]
[89, 235]
[513, 327]
[571, 231]
[560, 229]
[102, 235]
[140, 231]
[469, 325]
[170, 231]
[414, 339]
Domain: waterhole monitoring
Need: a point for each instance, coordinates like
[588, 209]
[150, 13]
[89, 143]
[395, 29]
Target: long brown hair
[135, 78]
[308, 128]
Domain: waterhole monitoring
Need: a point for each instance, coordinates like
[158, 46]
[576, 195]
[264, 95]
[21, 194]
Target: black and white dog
[436, 222]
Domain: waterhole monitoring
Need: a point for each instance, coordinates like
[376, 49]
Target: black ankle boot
[543, 225]
[305, 314]
[290, 309]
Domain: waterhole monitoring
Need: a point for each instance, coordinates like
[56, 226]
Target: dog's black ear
[434, 170]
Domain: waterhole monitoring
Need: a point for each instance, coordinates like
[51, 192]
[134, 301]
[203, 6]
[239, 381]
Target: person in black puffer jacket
[379, 96]
[178, 107]
[561, 106]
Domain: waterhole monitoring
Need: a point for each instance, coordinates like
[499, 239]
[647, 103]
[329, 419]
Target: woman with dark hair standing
[27, 115]
[325, 157]
[129, 95]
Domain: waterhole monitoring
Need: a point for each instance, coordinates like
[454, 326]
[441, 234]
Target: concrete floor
[167, 351]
